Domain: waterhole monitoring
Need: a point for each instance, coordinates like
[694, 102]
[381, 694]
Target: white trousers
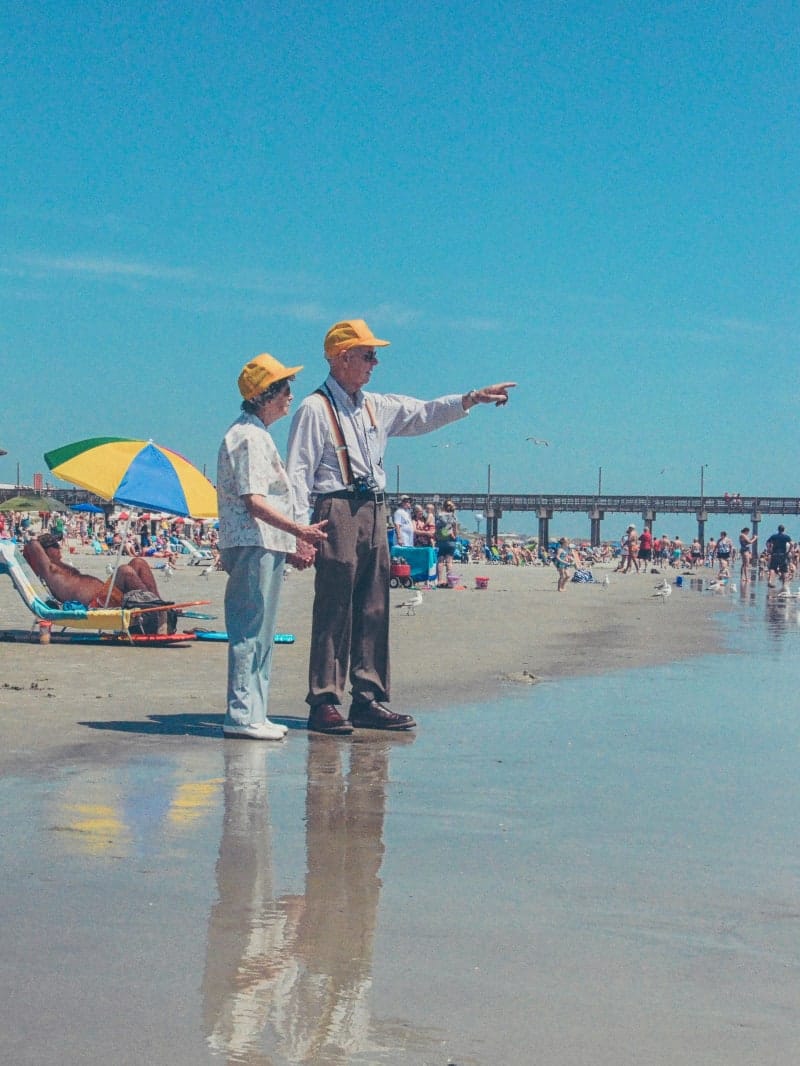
[255, 576]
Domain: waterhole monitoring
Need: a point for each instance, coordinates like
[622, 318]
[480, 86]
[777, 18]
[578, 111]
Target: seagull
[712, 586]
[662, 584]
[605, 582]
[538, 440]
[412, 603]
[663, 591]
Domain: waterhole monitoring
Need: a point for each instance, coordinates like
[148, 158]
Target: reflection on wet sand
[121, 811]
[288, 978]
[781, 612]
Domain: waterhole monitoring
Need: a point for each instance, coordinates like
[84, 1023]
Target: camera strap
[337, 433]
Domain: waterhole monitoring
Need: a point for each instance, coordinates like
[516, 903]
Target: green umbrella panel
[32, 503]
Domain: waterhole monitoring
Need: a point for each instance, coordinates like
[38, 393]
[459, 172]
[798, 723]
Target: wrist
[470, 400]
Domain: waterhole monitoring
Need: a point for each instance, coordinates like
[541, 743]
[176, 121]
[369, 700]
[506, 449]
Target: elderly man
[335, 461]
[67, 584]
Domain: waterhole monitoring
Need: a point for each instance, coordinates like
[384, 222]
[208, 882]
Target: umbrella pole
[122, 539]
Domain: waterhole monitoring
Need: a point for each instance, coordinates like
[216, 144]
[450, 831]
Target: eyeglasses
[369, 357]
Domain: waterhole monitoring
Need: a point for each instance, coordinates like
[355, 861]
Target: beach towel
[582, 576]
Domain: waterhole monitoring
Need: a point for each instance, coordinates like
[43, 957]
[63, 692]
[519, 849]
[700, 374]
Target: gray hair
[252, 405]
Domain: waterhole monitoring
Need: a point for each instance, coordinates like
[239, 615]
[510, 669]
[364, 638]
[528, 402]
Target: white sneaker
[263, 731]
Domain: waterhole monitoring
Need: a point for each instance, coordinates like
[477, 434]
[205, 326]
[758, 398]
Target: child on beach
[564, 559]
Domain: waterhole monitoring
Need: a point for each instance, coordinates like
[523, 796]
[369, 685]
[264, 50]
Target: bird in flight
[539, 440]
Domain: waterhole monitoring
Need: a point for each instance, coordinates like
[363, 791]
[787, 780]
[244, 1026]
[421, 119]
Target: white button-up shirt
[311, 458]
[248, 463]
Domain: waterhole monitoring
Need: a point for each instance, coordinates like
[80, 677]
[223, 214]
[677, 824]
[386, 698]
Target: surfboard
[210, 634]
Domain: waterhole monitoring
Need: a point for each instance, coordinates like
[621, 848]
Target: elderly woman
[257, 534]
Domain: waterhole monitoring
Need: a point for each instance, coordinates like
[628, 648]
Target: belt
[350, 494]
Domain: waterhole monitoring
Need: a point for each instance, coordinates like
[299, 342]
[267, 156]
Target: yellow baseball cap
[354, 333]
[262, 372]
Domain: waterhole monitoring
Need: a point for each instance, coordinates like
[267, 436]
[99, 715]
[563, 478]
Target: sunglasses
[369, 357]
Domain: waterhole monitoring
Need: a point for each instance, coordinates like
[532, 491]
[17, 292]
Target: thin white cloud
[304, 312]
[105, 267]
[392, 315]
[473, 324]
[741, 325]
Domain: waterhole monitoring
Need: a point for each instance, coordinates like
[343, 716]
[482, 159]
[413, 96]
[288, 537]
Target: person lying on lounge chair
[67, 584]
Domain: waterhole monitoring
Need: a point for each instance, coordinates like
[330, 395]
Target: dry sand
[459, 646]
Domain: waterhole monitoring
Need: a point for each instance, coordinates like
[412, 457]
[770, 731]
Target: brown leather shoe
[325, 718]
[375, 715]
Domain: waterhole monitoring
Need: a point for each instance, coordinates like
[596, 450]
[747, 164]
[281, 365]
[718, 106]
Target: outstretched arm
[496, 394]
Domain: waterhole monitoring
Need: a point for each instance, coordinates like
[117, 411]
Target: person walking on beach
[646, 548]
[746, 542]
[724, 554]
[624, 549]
[257, 534]
[633, 551]
[335, 460]
[446, 542]
[778, 554]
[564, 559]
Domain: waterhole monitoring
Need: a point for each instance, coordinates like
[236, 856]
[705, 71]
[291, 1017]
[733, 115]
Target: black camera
[365, 486]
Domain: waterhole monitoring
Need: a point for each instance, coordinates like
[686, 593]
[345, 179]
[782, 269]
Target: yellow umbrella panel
[137, 473]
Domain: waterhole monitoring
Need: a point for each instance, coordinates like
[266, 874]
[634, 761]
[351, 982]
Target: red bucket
[481, 582]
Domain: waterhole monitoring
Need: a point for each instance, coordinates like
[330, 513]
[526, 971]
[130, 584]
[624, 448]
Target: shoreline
[460, 646]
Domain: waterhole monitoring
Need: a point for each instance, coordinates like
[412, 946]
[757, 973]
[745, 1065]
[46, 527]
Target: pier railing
[624, 504]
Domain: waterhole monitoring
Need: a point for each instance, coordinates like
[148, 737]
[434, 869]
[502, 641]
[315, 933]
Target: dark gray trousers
[350, 622]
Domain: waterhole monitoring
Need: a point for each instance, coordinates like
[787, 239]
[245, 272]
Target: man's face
[355, 367]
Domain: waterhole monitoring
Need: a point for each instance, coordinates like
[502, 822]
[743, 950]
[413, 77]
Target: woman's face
[278, 406]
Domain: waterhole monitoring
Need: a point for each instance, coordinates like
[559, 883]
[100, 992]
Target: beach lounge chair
[197, 556]
[113, 622]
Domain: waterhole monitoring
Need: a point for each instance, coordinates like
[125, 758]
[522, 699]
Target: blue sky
[599, 201]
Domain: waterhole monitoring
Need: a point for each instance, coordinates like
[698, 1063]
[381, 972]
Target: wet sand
[459, 646]
[525, 879]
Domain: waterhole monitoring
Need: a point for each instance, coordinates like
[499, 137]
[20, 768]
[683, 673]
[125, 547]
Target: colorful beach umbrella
[137, 473]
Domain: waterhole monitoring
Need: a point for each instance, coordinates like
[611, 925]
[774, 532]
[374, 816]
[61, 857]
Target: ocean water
[599, 870]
